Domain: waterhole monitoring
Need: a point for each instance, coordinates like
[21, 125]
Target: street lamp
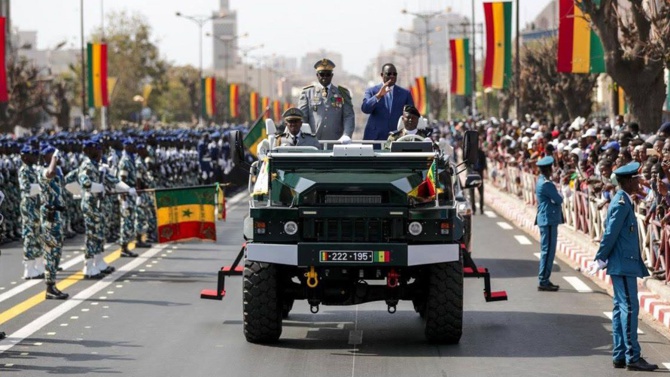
[226, 41]
[245, 53]
[412, 51]
[200, 21]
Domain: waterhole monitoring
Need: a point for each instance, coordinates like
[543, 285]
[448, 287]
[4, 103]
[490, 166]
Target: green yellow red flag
[256, 134]
[254, 105]
[209, 96]
[186, 213]
[98, 94]
[579, 47]
[498, 62]
[234, 100]
[460, 67]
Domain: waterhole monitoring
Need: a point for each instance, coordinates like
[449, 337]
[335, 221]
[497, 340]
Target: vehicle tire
[262, 309]
[420, 307]
[444, 304]
[286, 306]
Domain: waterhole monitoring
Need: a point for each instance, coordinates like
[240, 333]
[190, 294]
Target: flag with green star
[186, 213]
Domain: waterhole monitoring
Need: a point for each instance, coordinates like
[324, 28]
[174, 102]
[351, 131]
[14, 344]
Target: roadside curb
[577, 250]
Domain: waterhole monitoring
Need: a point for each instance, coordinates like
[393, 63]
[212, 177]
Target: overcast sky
[356, 28]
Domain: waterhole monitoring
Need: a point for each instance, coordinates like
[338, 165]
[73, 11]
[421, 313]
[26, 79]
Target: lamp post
[412, 51]
[420, 37]
[226, 42]
[426, 17]
[200, 21]
[245, 53]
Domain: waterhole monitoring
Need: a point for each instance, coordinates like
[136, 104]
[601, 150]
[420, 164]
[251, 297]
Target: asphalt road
[147, 319]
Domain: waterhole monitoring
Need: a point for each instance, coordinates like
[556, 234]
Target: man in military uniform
[619, 252]
[92, 180]
[127, 174]
[30, 229]
[144, 204]
[51, 209]
[410, 120]
[292, 135]
[549, 216]
[326, 107]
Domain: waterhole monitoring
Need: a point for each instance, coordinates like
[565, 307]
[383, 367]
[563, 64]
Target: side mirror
[236, 147]
[470, 147]
[473, 180]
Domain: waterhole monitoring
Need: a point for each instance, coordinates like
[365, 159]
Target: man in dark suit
[549, 216]
[619, 252]
[384, 102]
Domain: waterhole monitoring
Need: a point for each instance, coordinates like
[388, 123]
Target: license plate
[351, 256]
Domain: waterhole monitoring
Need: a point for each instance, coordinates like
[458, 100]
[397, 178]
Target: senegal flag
[185, 213]
[256, 134]
[430, 186]
[98, 95]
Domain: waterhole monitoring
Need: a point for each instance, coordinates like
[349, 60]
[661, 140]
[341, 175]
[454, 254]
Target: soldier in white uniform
[327, 107]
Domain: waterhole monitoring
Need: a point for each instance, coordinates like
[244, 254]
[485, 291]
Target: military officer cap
[324, 65]
[27, 149]
[411, 110]
[292, 113]
[546, 161]
[628, 170]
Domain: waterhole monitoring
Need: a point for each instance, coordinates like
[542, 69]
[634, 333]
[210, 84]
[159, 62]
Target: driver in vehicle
[410, 126]
[293, 135]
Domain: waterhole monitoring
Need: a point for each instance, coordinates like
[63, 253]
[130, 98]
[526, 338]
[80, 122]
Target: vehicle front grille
[353, 199]
[353, 230]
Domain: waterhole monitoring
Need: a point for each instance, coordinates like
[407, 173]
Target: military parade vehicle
[355, 224]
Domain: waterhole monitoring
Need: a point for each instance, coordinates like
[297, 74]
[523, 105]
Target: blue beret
[665, 127]
[140, 146]
[91, 143]
[128, 141]
[27, 149]
[546, 161]
[628, 169]
[611, 145]
[47, 149]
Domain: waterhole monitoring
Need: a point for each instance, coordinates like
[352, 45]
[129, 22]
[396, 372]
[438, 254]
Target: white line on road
[609, 315]
[73, 302]
[666, 365]
[504, 225]
[490, 214]
[31, 283]
[578, 284]
[537, 255]
[523, 240]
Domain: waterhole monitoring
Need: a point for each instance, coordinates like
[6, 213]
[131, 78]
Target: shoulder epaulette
[395, 133]
[345, 92]
[307, 87]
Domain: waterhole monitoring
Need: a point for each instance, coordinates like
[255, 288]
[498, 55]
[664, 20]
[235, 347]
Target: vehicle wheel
[444, 304]
[261, 308]
[286, 307]
[420, 307]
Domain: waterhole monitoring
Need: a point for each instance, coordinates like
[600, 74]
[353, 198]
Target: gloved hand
[97, 188]
[132, 192]
[344, 139]
[138, 201]
[34, 190]
[594, 266]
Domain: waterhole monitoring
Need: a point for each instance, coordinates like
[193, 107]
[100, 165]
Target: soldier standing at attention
[144, 204]
[326, 107]
[549, 215]
[126, 171]
[619, 252]
[30, 228]
[53, 204]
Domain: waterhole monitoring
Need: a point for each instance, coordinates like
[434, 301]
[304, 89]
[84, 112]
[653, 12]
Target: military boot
[53, 293]
[90, 271]
[125, 253]
[140, 243]
[101, 265]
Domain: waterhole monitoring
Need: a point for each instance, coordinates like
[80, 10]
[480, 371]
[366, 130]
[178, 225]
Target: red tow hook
[392, 279]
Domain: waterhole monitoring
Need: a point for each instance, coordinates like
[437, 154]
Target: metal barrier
[581, 213]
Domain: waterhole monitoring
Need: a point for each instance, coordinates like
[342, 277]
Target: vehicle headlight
[415, 228]
[291, 228]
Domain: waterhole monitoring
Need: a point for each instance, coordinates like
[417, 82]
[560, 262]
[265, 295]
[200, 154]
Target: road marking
[537, 255]
[666, 365]
[31, 283]
[504, 225]
[523, 240]
[73, 302]
[609, 315]
[578, 284]
[490, 214]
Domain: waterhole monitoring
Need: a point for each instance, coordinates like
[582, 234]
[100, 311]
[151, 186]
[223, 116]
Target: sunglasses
[325, 74]
[391, 74]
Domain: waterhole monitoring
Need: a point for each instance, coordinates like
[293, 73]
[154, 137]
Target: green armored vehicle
[352, 224]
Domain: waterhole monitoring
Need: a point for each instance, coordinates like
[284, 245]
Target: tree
[27, 95]
[636, 41]
[134, 59]
[438, 102]
[63, 90]
[180, 102]
[561, 96]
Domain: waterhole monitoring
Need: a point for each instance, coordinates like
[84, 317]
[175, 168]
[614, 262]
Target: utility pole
[474, 64]
[83, 66]
[517, 64]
